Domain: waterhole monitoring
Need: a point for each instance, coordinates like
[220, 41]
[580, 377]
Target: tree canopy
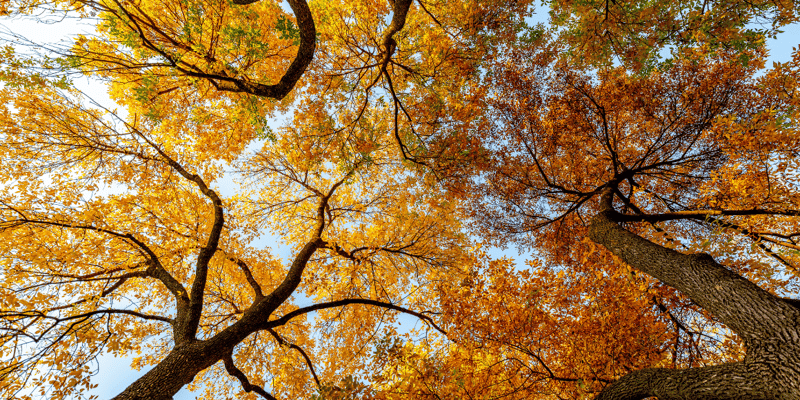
[640, 156]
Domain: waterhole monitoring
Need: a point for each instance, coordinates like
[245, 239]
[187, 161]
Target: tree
[116, 239]
[692, 161]
[95, 270]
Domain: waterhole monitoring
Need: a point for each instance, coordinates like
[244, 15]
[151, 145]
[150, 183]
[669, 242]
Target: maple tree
[403, 120]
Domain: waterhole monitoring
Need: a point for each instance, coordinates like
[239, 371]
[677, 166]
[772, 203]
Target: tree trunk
[171, 374]
[768, 325]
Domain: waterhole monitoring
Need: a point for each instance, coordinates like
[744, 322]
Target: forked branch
[188, 319]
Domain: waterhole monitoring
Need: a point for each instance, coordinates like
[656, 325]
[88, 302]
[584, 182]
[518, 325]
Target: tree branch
[155, 270]
[16, 316]
[114, 311]
[720, 382]
[248, 274]
[701, 214]
[120, 280]
[340, 251]
[302, 352]
[188, 320]
[238, 374]
[708, 216]
[305, 53]
[399, 13]
[341, 303]
[748, 310]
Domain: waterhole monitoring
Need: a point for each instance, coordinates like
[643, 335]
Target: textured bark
[767, 324]
[169, 376]
[732, 381]
[192, 356]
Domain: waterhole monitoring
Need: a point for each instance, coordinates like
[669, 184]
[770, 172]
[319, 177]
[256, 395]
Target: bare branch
[114, 311]
[155, 270]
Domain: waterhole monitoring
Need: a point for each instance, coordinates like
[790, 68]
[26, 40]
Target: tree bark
[767, 324]
[171, 374]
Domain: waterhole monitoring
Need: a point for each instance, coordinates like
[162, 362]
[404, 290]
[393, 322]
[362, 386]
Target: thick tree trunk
[734, 381]
[176, 370]
[769, 326]
[191, 356]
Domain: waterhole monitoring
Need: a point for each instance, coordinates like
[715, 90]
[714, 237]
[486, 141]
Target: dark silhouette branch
[340, 251]
[155, 269]
[300, 350]
[238, 374]
[341, 303]
[710, 216]
[219, 78]
[125, 312]
[248, 275]
[305, 53]
[701, 214]
[188, 319]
